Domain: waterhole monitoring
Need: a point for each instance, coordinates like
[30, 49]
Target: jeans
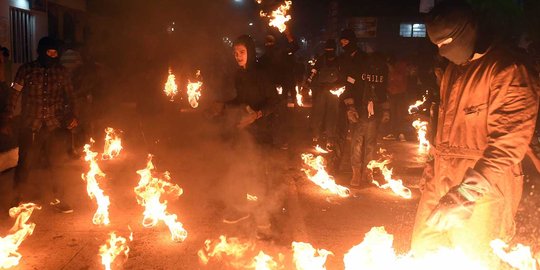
[363, 142]
[325, 115]
[41, 149]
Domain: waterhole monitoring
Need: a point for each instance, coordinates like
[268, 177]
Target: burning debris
[251, 198]
[115, 246]
[279, 17]
[520, 257]
[318, 175]
[395, 185]
[194, 90]
[337, 92]
[149, 191]
[299, 97]
[171, 89]
[113, 144]
[423, 142]
[376, 253]
[306, 257]
[319, 149]
[92, 177]
[264, 262]
[417, 104]
[9, 256]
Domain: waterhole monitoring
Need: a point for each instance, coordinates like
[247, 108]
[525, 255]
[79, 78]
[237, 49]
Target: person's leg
[56, 158]
[357, 151]
[28, 150]
[318, 115]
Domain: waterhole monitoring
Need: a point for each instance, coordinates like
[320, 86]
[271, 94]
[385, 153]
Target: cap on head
[47, 43]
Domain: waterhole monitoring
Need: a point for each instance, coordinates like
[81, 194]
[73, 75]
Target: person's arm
[512, 112]
[15, 92]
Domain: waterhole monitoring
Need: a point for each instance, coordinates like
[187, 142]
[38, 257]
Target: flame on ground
[92, 177]
[263, 262]
[395, 185]
[319, 149]
[230, 250]
[338, 92]
[318, 175]
[9, 256]
[299, 97]
[171, 89]
[417, 104]
[149, 191]
[376, 253]
[279, 17]
[115, 246]
[520, 257]
[113, 144]
[306, 257]
[194, 91]
[421, 129]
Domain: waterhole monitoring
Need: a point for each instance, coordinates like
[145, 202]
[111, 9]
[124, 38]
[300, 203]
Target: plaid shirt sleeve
[15, 92]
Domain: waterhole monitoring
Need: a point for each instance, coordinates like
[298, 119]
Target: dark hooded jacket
[254, 89]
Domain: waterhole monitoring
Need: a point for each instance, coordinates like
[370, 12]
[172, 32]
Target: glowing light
[338, 92]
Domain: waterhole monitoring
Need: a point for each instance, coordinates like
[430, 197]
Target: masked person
[365, 99]
[42, 85]
[487, 114]
[256, 99]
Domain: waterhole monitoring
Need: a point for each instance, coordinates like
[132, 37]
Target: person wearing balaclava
[42, 86]
[255, 101]
[323, 78]
[488, 109]
[360, 103]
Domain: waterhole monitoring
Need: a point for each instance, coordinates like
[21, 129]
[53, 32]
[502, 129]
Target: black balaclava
[330, 49]
[247, 41]
[45, 44]
[349, 35]
[453, 19]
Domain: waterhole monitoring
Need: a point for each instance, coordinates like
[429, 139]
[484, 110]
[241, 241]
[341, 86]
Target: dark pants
[40, 149]
[281, 126]
[398, 114]
[363, 142]
[325, 115]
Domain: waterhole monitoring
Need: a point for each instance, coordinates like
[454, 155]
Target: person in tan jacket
[487, 115]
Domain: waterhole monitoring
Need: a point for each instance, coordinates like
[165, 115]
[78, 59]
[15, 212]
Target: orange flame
[171, 89]
[263, 262]
[299, 97]
[395, 185]
[149, 191]
[308, 258]
[520, 257]
[252, 198]
[319, 149]
[376, 252]
[194, 91]
[338, 92]
[318, 175]
[115, 246]
[231, 248]
[113, 144]
[421, 129]
[279, 90]
[9, 256]
[101, 217]
[279, 17]
[417, 104]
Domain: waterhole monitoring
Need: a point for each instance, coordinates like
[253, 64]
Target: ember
[9, 257]
[318, 175]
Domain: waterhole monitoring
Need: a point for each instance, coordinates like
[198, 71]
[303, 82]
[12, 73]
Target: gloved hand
[385, 117]
[458, 204]
[352, 115]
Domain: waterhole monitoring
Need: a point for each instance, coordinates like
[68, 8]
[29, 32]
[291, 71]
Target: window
[412, 30]
[22, 33]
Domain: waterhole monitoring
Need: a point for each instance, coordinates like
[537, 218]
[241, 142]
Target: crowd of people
[487, 96]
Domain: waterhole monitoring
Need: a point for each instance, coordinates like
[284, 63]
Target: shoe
[61, 207]
[389, 137]
[233, 217]
[402, 138]
[264, 233]
[356, 177]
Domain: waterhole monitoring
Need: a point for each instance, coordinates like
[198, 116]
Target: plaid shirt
[44, 92]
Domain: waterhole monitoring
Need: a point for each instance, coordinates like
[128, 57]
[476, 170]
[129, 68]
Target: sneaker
[233, 217]
[264, 233]
[402, 138]
[389, 137]
[61, 207]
